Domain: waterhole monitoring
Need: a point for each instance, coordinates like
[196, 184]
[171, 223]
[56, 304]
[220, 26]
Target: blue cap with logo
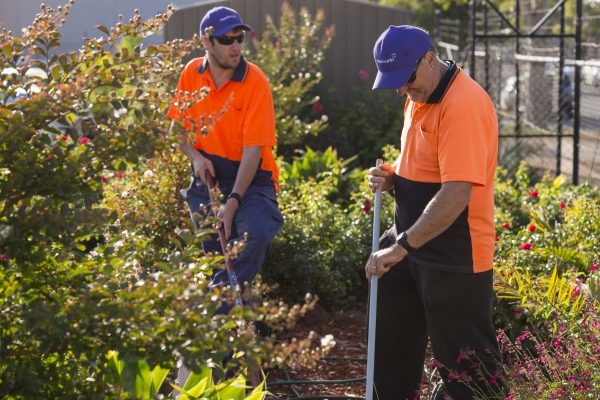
[396, 52]
[222, 19]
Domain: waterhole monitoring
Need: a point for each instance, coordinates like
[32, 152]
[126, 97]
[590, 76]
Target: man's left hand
[381, 261]
[225, 216]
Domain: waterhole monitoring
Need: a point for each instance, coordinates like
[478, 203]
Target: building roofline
[374, 5]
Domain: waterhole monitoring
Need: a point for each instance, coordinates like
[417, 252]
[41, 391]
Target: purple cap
[222, 19]
[396, 52]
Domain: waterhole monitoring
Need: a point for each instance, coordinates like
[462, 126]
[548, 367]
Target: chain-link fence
[532, 83]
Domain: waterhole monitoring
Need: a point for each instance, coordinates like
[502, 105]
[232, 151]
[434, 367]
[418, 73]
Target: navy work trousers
[257, 215]
[453, 310]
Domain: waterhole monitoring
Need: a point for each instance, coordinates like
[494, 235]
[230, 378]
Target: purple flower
[318, 106]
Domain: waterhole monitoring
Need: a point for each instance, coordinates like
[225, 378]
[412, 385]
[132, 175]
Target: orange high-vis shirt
[452, 137]
[248, 121]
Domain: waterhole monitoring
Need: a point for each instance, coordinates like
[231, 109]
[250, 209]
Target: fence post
[438, 26]
[473, 36]
[561, 68]
[518, 80]
[577, 77]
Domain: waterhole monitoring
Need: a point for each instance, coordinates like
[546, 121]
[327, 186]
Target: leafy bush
[66, 303]
[291, 56]
[323, 246]
[364, 126]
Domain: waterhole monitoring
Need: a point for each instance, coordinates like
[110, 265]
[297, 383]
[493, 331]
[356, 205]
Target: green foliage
[291, 56]
[318, 165]
[364, 126]
[322, 248]
[70, 150]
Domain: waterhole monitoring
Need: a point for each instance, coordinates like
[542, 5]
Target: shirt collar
[444, 85]
[238, 75]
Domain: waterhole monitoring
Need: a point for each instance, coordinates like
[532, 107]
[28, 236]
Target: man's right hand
[381, 177]
[201, 164]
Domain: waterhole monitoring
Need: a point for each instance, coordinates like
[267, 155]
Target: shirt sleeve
[463, 147]
[259, 122]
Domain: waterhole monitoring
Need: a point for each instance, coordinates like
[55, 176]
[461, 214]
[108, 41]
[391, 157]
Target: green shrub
[65, 303]
[291, 56]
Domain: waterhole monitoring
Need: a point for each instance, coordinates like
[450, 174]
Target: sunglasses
[228, 40]
[413, 76]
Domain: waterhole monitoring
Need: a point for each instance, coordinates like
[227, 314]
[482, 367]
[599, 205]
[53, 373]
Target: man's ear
[206, 42]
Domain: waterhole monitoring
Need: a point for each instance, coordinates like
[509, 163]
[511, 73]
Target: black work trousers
[453, 310]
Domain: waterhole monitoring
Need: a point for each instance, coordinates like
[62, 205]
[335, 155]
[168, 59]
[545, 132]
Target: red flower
[362, 74]
[562, 205]
[2, 257]
[497, 239]
[506, 225]
[318, 106]
[531, 228]
[518, 311]
[138, 176]
[534, 193]
[252, 34]
[146, 204]
[525, 246]
[367, 206]
[104, 178]
[493, 380]
[63, 138]
[84, 140]
[50, 156]
[593, 267]
[119, 174]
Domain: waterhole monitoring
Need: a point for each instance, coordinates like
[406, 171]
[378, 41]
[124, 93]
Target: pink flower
[119, 174]
[593, 267]
[316, 38]
[525, 246]
[138, 176]
[84, 140]
[367, 206]
[63, 138]
[506, 225]
[362, 74]
[252, 34]
[327, 31]
[493, 380]
[104, 178]
[2, 257]
[277, 44]
[318, 106]
[562, 205]
[534, 193]
[50, 156]
[518, 311]
[531, 228]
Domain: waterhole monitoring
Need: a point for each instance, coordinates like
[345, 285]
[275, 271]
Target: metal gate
[543, 75]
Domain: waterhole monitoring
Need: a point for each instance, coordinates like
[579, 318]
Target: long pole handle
[230, 271]
[373, 297]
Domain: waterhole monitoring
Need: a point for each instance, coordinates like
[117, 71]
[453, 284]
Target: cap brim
[394, 79]
[227, 28]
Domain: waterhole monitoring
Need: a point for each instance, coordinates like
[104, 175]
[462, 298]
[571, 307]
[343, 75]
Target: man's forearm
[247, 170]
[440, 213]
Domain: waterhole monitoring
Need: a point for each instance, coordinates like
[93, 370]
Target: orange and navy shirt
[249, 119]
[451, 137]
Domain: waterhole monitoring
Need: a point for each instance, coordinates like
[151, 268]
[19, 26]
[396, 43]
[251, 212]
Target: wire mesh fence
[531, 80]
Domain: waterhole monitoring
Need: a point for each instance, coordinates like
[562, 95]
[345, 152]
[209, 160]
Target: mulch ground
[350, 342]
[349, 334]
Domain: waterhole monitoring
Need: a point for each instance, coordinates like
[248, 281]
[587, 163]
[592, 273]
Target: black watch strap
[235, 196]
[402, 240]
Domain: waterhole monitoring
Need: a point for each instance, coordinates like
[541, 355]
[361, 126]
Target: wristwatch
[235, 196]
[402, 240]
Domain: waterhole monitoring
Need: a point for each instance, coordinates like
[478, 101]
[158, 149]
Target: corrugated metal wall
[358, 24]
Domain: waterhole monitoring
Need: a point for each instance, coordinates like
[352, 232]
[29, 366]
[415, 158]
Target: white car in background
[591, 74]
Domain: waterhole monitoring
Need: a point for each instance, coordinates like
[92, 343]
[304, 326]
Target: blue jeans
[257, 215]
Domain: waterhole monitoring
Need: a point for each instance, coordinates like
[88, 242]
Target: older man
[435, 264]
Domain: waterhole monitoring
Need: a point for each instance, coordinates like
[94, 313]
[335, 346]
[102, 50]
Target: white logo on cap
[389, 60]
[227, 17]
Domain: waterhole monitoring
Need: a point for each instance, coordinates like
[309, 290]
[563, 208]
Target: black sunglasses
[228, 40]
[413, 76]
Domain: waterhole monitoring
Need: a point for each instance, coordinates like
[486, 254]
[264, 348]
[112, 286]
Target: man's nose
[402, 91]
[236, 45]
